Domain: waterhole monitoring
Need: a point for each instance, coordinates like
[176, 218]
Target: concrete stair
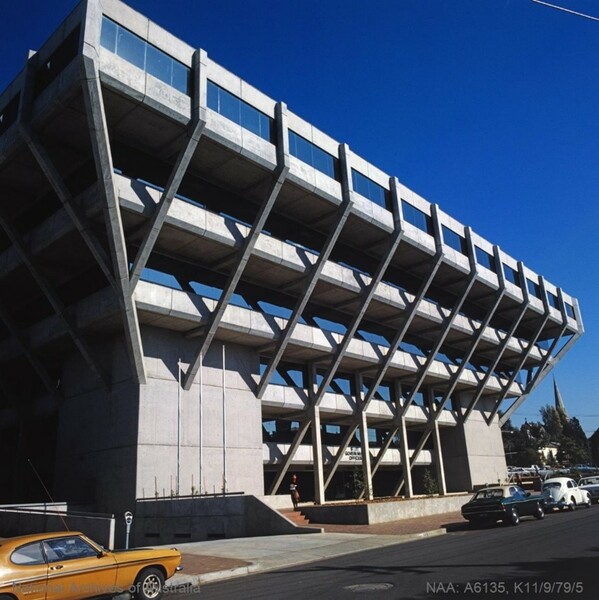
[295, 517]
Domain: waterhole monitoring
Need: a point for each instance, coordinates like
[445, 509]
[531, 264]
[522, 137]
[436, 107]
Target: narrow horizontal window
[454, 240]
[145, 56]
[484, 259]
[369, 189]
[417, 218]
[313, 155]
[240, 112]
[511, 275]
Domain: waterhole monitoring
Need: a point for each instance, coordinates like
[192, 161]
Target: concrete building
[201, 292]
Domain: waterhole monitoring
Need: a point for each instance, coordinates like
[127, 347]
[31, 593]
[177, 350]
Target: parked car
[563, 492]
[584, 468]
[591, 485]
[506, 503]
[70, 566]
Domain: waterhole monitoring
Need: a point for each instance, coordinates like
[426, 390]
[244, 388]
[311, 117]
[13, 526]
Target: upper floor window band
[240, 112]
[145, 56]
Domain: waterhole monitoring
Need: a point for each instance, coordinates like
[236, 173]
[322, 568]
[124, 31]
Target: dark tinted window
[511, 275]
[484, 259]
[143, 55]
[416, 217]
[533, 288]
[240, 112]
[369, 189]
[312, 155]
[454, 240]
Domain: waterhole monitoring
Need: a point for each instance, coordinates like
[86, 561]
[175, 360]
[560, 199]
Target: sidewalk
[216, 560]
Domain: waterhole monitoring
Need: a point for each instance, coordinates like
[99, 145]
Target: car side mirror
[100, 554]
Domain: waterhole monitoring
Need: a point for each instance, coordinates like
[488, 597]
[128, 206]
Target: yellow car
[69, 566]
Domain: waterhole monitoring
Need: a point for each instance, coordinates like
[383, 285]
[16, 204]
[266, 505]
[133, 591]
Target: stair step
[296, 517]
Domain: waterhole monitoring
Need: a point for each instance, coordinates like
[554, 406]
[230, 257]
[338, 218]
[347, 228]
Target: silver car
[591, 485]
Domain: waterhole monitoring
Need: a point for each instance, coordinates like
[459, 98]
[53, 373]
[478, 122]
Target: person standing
[294, 491]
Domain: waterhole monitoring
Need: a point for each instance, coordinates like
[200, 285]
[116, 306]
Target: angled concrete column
[194, 133]
[386, 361]
[347, 438]
[284, 466]
[447, 321]
[364, 302]
[98, 129]
[277, 180]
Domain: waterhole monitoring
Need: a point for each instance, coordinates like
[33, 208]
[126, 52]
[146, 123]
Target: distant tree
[527, 457]
[574, 446]
[554, 421]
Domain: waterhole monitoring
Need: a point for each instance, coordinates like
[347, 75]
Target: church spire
[559, 403]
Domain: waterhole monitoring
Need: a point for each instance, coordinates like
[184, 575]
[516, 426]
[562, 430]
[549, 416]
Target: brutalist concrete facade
[201, 292]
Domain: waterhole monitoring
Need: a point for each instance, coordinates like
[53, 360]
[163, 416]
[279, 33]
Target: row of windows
[152, 60]
[143, 55]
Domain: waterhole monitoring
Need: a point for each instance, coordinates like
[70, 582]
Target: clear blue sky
[488, 108]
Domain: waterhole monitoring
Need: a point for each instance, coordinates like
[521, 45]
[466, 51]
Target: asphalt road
[550, 559]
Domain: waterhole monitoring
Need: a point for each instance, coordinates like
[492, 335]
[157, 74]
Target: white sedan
[563, 492]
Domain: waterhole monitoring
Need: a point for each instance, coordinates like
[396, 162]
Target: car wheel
[514, 516]
[572, 505]
[149, 585]
[539, 512]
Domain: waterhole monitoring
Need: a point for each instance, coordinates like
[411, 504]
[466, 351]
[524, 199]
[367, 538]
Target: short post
[128, 521]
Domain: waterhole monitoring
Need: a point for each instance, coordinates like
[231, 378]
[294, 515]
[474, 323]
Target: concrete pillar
[366, 468]
[317, 456]
[405, 458]
[439, 459]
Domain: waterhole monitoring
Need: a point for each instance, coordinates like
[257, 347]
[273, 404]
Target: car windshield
[492, 493]
[552, 485]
